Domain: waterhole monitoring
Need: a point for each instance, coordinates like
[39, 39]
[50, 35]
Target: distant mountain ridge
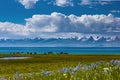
[63, 42]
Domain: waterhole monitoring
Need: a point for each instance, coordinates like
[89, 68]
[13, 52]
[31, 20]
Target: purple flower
[77, 67]
[46, 73]
[115, 62]
[65, 70]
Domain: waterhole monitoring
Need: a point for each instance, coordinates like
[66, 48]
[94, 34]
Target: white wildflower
[106, 70]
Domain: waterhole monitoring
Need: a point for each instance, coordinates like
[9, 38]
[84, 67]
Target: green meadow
[60, 67]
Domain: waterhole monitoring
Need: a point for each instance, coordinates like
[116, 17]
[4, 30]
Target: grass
[48, 67]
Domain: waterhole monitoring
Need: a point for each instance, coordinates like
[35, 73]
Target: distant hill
[61, 42]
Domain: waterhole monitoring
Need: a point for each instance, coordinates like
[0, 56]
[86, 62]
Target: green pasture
[54, 63]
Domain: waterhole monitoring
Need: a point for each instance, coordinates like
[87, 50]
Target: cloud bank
[38, 25]
[58, 22]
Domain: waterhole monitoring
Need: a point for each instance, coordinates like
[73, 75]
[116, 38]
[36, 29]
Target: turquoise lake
[70, 50]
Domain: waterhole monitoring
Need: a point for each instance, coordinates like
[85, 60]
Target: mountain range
[91, 41]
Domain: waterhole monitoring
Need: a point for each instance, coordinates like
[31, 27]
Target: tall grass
[61, 67]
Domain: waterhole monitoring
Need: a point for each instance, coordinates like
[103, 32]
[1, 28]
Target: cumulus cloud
[64, 3]
[55, 23]
[11, 30]
[58, 22]
[28, 3]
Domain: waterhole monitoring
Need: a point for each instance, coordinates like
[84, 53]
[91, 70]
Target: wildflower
[93, 65]
[86, 67]
[115, 62]
[31, 74]
[17, 74]
[112, 61]
[65, 70]
[64, 74]
[46, 73]
[106, 70]
[77, 68]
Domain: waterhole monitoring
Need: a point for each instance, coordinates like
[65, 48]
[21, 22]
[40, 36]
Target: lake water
[71, 50]
[9, 58]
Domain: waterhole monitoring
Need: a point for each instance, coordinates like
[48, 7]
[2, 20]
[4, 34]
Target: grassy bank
[54, 63]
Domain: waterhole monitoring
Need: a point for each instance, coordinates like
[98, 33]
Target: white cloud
[58, 24]
[64, 3]
[11, 30]
[42, 23]
[28, 3]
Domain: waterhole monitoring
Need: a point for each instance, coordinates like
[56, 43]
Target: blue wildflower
[65, 70]
[46, 73]
[77, 67]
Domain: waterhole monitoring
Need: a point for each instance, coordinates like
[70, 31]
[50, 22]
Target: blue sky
[28, 18]
[13, 11]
